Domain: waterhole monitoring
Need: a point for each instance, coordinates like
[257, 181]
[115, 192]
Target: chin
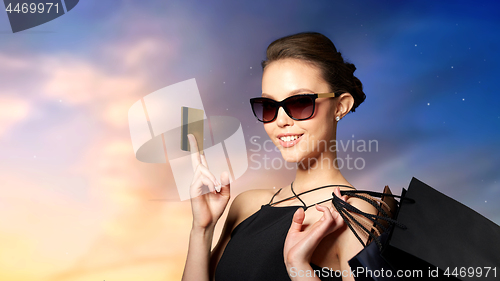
[291, 158]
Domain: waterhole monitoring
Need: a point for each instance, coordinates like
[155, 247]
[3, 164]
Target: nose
[283, 119]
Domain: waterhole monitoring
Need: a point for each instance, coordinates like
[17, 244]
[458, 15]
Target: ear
[344, 104]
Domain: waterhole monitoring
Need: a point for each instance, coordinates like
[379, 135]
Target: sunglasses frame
[282, 104]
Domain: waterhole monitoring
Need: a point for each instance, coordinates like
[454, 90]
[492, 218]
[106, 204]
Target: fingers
[336, 191]
[196, 186]
[326, 224]
[329, 222]
[203, 159]
[202, 170]
[327, 213]
[202, 176]
[200, 167]
[298, 219]
[224, 184]
[195, 154]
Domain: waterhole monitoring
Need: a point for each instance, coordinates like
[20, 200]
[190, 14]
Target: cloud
[12, 111]
[39, 226]
[81, 82]
[107, 84]
[114, 228]
[13, 63]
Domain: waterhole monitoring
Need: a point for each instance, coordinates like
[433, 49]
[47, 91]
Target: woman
[271, 235]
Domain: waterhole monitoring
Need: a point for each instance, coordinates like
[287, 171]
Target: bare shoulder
[249, 202]
[362, 205]
[348, 244]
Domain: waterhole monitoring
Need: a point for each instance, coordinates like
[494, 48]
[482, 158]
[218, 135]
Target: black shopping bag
[434, 238]
[445, 237]
[368, 265]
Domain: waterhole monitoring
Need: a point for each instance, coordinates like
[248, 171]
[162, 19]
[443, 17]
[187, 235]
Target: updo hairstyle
[318, 50]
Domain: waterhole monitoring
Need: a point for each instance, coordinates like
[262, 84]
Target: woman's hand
[207, 208]
[300, 245]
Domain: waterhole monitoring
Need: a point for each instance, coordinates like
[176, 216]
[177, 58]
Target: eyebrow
[301, 90]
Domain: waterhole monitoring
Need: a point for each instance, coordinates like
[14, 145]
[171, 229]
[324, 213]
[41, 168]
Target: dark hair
[317, 49]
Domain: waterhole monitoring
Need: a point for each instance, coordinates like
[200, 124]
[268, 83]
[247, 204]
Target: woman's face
[287, 77]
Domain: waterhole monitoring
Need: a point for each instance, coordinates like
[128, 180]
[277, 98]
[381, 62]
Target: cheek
[319, 128]
[326, 110]
[323, 117]
[269, 130]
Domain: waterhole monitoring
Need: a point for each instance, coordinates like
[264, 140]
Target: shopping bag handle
[375, 194]
[345, 209]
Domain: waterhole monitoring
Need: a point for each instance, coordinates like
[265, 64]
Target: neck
[316, 172]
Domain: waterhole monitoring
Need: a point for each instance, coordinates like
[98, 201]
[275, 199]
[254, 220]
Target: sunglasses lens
[264, 110]
[300, 107]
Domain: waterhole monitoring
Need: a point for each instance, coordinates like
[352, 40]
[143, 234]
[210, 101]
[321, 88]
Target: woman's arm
[200, 242]
[197, 262]
[347, 245]
[200, 263]
[300, 244]
[207, 208]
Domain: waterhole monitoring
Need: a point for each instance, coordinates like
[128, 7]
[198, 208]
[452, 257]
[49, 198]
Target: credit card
[191, 123]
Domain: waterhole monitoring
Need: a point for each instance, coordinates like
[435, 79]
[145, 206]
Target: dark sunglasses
[298, 107]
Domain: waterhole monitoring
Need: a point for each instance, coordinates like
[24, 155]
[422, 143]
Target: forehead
[287, 77]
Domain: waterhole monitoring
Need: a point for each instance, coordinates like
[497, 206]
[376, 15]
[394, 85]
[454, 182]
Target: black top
[255, 251]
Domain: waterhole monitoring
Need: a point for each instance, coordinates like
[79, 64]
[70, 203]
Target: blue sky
[428, 67]
[429, 70]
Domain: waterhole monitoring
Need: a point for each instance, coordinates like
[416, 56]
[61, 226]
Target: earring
[337, 119]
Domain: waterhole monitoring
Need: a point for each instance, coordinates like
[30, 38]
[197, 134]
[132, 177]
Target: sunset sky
[76, 204]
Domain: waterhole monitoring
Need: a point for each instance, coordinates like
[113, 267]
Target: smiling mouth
[289, 141]
[290, 138]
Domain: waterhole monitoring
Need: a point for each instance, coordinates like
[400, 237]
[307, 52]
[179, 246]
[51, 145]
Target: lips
[289, 139]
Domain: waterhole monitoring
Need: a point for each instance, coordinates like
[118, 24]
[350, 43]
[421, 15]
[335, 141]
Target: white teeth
[289, 138]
